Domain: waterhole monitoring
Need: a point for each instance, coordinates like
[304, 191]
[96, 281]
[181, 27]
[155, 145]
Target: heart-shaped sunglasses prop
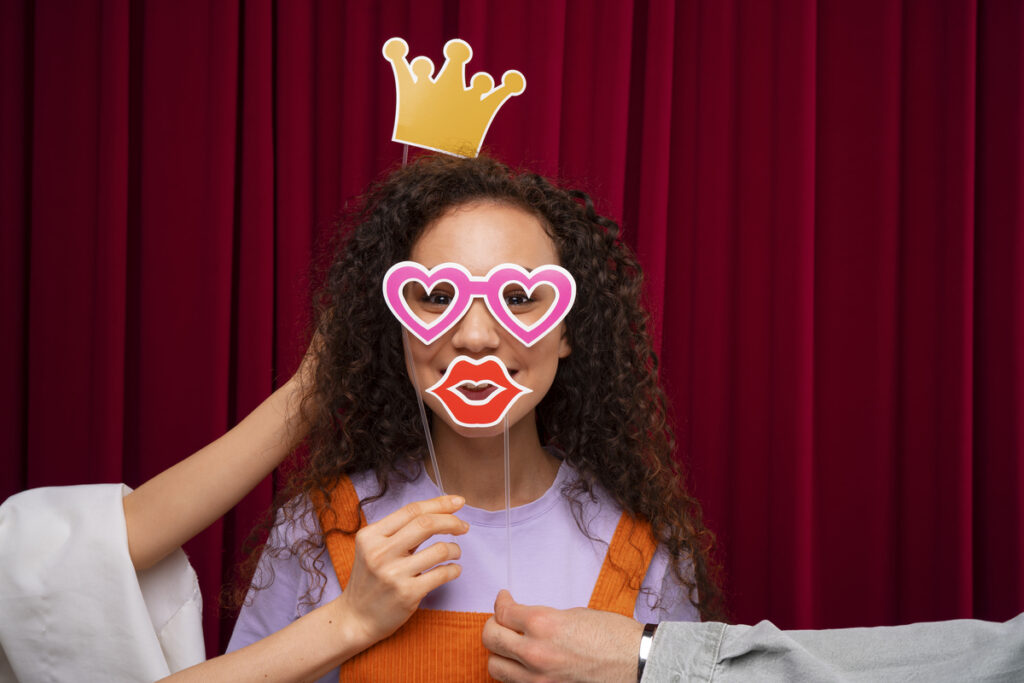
[490, 288]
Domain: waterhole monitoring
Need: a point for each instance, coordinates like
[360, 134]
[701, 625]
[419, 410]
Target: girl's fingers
[437, 576]
[406, 514]
[438, 553]
[377, 550]
[407, 539]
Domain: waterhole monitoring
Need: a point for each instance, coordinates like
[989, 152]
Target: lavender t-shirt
[552, 562]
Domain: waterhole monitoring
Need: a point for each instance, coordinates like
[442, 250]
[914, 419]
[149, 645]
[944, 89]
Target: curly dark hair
[622, 442]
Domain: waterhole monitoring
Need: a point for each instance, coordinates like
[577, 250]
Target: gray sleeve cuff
[684, 651]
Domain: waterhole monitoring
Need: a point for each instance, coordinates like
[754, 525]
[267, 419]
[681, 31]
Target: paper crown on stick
[440, 112]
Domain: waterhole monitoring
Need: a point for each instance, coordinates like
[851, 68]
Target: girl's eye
[437, 299]
[517, 298]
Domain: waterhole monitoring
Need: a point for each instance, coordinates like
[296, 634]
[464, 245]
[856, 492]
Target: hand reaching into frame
[532, 643]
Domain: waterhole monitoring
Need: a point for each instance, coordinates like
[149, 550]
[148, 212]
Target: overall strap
[625, 567]
[343, 512]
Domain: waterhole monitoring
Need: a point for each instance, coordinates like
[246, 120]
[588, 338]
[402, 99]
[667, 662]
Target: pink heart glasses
[490, 288]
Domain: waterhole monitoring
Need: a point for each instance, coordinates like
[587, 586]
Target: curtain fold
[16, 35]
[935, 307]
[998, 415]
[827, 197]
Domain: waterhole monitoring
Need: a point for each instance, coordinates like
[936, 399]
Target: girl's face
[480, 236]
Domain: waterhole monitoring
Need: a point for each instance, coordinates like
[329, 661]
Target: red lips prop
[477, 393]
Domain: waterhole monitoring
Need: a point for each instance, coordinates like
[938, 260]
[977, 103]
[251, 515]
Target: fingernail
[458, 500]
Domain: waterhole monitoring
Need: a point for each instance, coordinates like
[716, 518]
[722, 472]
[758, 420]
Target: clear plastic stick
[423, 412]
[508, 515]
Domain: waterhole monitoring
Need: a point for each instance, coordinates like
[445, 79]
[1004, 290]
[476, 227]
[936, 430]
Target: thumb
[509, 613]
[504, 599]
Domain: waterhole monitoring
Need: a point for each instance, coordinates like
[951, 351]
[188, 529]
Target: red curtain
[827, 196]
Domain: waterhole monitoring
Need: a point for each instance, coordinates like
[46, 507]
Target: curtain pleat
[826, 197]
[180, 302]
[16, 36]
[648, 140]
[998, 435]
[76, 245]
[935, 309]
[857, 242]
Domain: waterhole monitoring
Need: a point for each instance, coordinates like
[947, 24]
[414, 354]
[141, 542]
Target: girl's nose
[477, 331]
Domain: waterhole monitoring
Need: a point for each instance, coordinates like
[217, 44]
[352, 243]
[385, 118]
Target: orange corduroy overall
[436, 645]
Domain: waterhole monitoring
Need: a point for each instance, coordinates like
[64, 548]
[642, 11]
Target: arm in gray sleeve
[962, 650]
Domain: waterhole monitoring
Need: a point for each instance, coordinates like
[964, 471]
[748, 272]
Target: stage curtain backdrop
[826, 197]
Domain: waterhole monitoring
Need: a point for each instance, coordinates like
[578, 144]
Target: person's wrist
[646, 638]
[357, 632]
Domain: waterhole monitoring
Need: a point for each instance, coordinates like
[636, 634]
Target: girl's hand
[389, 576]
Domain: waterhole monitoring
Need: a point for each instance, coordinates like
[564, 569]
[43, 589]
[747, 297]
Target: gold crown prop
[441, 113]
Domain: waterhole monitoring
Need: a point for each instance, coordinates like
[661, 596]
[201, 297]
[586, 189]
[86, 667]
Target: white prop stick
[423, 411]
[437, 471]
[508, 515]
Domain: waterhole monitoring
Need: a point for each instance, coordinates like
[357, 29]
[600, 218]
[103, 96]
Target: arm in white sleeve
[940, 651]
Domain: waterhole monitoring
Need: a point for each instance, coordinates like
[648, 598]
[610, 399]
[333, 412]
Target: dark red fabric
[828, 199]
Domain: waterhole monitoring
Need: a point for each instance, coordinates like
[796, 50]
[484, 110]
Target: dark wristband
[645, 649]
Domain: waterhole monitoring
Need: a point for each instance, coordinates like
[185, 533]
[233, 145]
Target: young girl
[599, 516]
